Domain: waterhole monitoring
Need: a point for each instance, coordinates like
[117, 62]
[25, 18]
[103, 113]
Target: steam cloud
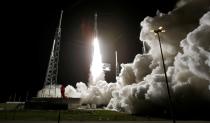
[140, 87]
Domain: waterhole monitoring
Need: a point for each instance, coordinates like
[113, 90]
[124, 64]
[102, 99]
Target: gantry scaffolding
[52, 70]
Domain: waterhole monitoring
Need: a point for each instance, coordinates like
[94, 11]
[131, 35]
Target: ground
[16, 112]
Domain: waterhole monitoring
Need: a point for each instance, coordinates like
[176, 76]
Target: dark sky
[29, 27]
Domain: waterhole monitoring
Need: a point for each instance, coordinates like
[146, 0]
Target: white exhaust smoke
[186, 58]
[50, 91]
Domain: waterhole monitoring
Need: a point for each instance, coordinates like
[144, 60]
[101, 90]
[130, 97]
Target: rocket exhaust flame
[96, 69]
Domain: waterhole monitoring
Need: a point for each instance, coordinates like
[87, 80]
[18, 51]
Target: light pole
[157, 31]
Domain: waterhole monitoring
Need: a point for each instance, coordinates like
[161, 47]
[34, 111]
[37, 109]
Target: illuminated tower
[52, 70]
[144, 48]
[117, 70]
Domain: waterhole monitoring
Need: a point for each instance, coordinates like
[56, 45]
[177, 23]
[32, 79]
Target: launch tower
[52, 70]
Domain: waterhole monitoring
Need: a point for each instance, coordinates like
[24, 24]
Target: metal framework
[106, 67]
[52, 70]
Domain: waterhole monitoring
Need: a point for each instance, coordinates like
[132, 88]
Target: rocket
[95, 25]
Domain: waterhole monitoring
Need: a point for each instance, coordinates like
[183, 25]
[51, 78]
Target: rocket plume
[96, 70]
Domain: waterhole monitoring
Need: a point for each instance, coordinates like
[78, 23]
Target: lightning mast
[116, 65]
[144, 48]
[52, 70]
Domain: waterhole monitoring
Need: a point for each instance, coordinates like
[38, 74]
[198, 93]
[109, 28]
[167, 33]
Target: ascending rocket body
[95, 26]
[106, 66]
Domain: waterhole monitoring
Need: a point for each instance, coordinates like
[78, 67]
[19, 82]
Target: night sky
[29, 27]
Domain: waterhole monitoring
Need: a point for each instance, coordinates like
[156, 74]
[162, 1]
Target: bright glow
[151, 30]
[160, 28]
[96, 66]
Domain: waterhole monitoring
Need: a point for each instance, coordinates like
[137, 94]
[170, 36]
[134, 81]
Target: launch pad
[52, 103]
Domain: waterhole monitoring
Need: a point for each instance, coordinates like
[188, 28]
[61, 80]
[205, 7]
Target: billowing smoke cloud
[141, 87]
[50, 91]
[186, 48]
[192, 67]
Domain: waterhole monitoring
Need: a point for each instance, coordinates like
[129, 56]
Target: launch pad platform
[50, 103]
